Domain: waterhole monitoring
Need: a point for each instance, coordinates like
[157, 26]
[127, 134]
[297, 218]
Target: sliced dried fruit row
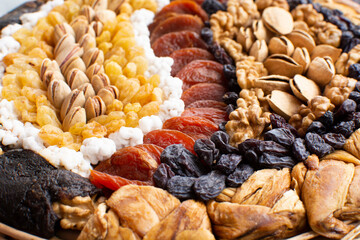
[203, 91]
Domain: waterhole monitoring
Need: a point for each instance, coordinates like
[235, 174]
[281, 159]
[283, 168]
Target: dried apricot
[152, 149]
[208, 104]
[196, 127]
[215, 115]
[159, 19]
[184, 7]
[203, 91]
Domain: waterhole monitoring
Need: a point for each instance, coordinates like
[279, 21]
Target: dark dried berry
[299, 150]
[207, 35]
[230, 108]
[353, 42]
[229, 71]
[251, 157]
[272, 148]
[337, 21]
[317, 127]
[347, 107]
[220, 54]
[354, 72]
[327, 119]
[326, 12]
[233, 85]
[162, 174]
[355, 117]
[248, 144]
[221, 140]
[228, 162]
[357, 85]
[212, 6]
[345, 128]
[315, 144]
[222, 126]
[282, 136]
[239, 176]
[279, 122]
[271, 161]
[336, 140]
[209, 186]
[354, 95]
[207, 24]
[346, 37]
[181, 187]
[230, 98]
[294, 3]
[206, 151]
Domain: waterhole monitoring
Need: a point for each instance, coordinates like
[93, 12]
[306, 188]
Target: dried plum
[228, 162]
[221, 140]
[347, 107]
[207, 35]
[282, 136]
[354, 95]
[181, 187]
[239, 176]
[206, 151]
[230, 98]
[212, 6]
[354, 72]
[317, 127]
[251, 157]
[248, 144]
[267, 160]
[279, 122]
[162, 174]
[327, 119]
[299, 150]
[209, 186]
[272, 148]
[220, 54]
[336, 140]
[315, 144]
[346, 128]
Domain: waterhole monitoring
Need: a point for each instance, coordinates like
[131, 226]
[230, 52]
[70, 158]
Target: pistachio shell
[115, 5]
[88, 12]
[105, 16]
[87, 89]
[62, 29]
[50, 70]
[303, 88]
[76, 78]
[94, 107]
[301, 39]
[301, 56]
[281, 45]
[93, 55]
[284, 104]
[321, 70]
[87, 41]
[63, 47]
[246, 38]
[81, 27]
[74, 116]
[52, 75]
[75, 98]
[260, 31]
[272, 82]
[57, 92]
[281, 64]
[100, 5]
[108, 94]
[99, 81]
[93, 70]
[259, 50]
[64, 57]
[278, 20]
[97, 26]
[74, 62]
[326, 50]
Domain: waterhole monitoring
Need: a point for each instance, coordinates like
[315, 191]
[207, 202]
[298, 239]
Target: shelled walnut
[339, 88]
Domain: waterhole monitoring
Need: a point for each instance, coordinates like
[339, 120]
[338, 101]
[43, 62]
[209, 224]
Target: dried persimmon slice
[152, 149]
[215, 115]
[208, 104]
[184, 7]
[203, 91]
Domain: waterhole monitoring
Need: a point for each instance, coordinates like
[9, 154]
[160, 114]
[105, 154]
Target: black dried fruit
[327, 119]
[279, 122]
[317, 127]
[162, 174]
[326, 12]
[230, 98]
[345, 128]
[346, 37]
[267, 160]
[299, 150]
[228, 162]
[248, 144]
[294, 3]
[212, 6]
[347, 107]
[222, 126]
[229, 71]
[181, 187]
[206, 151]
[354, 95]
[357, 86]
[239, 176]
[251, 157]
[272, 148]
[282, 136]
[230, 108]
[220, 54]
[207, 35]
[336, 140]
[221, 140]
[355, 117]
[354, 72]
[338, 22]
[209, 186]
[353, 42]
[315, 144]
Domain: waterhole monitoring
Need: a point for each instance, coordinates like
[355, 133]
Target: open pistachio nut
[108, 94]
[303, 88]
[74, 116]
[76, 98]
[281, 45]
[321, 70]
[94, 107]
[281, 64]
[57, 92]
[283, 103]
[278, 20]
[302, 56]
[75, 78]
[272, 82]
[300, 38]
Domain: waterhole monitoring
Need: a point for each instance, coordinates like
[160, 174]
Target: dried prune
[209, 186]
[346, 37]
[220, 54]
[230, 108]
[338, 22]
[181, 187]
[206, 151]
[354, 95]
[336, 140]
[221, 140]
[239, 176]
[299, 150]
[228, 162]
[347, 107]
[317, 127]
[230, 98]
[267, 160]
[279, 122]
[346, 128]
[212, 6]
[327, 119]
[272, 148]
[251, 157]
[162, 175]
[207, 35]
[354, 72]
[282, 136]
[248, 144]
[315, 144]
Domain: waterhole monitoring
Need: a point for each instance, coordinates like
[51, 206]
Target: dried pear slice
[342, 155]
[303, 88]
[284, 103]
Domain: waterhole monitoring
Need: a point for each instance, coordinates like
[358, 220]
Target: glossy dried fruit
[299, 150]
[184, 7]
[152, 149]
[317, 127]
[212, 6]
[346, 128]
[272, 148]
[207, 152]
[162, 175]
[230, 97]
[279, 122]
[215, 115]
[315, 144]
[209, 186]
[239, 176]
[208, 104]
[228, 162]
[220, 54]
[282, 136]
[336, 140]
[327, 119]
[203, 91]
[181, 187]
[221, 140]
[267, 160]
[347, 107]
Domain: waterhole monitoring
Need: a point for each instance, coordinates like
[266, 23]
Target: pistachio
[303, 88]
[99, 81]
[272, 82]
[302, 56]
[64, 45]
[246, 38]
[57, 92]
[75, 98]
[323, 50]
[100, 5]
[278, 20]
[284, 104]
[49, 69]
[97, 26]
[74, 62]
[62, 29]
[52, 75]
[281, 64]
[87, 89]
[281, 45]
[87, 41]
[105, 16]
[108, 94]
[75, 78]
[81, 27]
[88, 12]
[115, 5]
[300, 38]
[301, 25]
[94, 69]
[74, 116]
[259, 50]
[93, 55]
[63, 57]
[94, 107]
[321, 70]
[260, 31]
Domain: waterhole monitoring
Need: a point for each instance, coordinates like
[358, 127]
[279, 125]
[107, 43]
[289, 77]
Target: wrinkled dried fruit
[209, 186]
[221, 140]
[206, 151]
[299, 150]
[239, 176]
[315, 144]
[336, 140]
[282, 136]
[162, 174]
[228, 162]
[181, 187]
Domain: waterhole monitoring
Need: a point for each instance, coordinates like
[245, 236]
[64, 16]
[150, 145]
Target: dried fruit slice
[173, 41]
[177, 23]
[166, 137]
[184, 7]
[152, 149]
[201, 71]
[159, 19]
[203, 91]
[215, 115]
[196, 127]
[208, 104]
[184, 56]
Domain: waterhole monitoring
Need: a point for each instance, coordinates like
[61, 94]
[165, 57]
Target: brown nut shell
[88, 12]
[302, 56]
[281, 45]
[246, 38]
[259, 50]
[74, 62]
[87, 41]
[75, 99]
[76, 78]
[105, 16]
[57, 92]
[94, 107]
[74, 116]
[94, 69]
[270, 83]
[99, 81]
[62, 29]
[87, 89]
[321, 70]
[108, 94]
[300, 38]
[284, 104]
[281, 64]
[278, 20]
[303, 88]
[323, 50]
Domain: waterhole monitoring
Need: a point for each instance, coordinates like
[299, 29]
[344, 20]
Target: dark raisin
[279, 122]
[239, 176]
[294, 3]
[228, 162]
[162, 174]
[222, 126]
[207, 35]
[327, 119]
[353, 42]
[354, 72]
[181, 187]
[357, 84]
[221, 140]
[326, 12]
[315, 144]
[317, 127]
[209, 186]
[248, 144]
[251, 157]
[347, 107]
[230, 98]
[233, 85]
[229, 71]
[230, 108]
[212, 6]
[299, 150]
[356, 118]
[336, 140]
[346, 128]
[272, 148]
[220, 54]
[267, 160]
[354, 95]
[346, 37]
[337, 21]
[207, 24]
[282, 136]
[206, 151]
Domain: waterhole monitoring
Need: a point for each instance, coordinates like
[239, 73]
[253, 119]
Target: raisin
[356, 118]
[346, 37]
[230, 98]
[272, 148]
[221, 140]
[239, 176]
[268, 160]
[228, 162]
[299, 150]
[315, 144]
[353, 42]
[206, 151]
[337, 21]
[336, 140]
[248, 144]
[357, 86]
[282, 136]
[347, 107]
[317, 127]
[222, 126]
[251, 157]
[230, 108]
[203, 91]
[327, 119]
[354, 72]
[294, 3]
[212, 6]
[208, 104]
[220, 54]
[209, 186]
[279, 122]
[229, 71]
[207, 35]
[354, 95]
[181, 187]
[162, 175]
[346, 128]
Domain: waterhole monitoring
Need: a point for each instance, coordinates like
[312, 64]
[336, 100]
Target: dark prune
[326, 12]
[222, 126]
[239, 176]
[347, 107]
[345, 128]
[248, 144]
[220, 54]
[209, 186]
[282, 136]
[233, 85]
[181, 187]
[299, 150]
[279, 122]
[327, 119]
[272, 148]
[336, 140]
[294, 3]
[354, 95]
[228, 162]
[353, 42]
[162, 174]
[182, 161]
[206, 151]
[315, 144]
[337, 21]
[230, 98]
[357, 85]
[229, 71]
[212, 6]
[354, 72]
[356, 118]
[267, 160]
[207, 35]
[221, 140]
[251, 157]
[230, 108]
[346, 37]
[317, 127]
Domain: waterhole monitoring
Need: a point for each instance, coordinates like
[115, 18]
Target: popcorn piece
[127, 137]
[97, 149]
